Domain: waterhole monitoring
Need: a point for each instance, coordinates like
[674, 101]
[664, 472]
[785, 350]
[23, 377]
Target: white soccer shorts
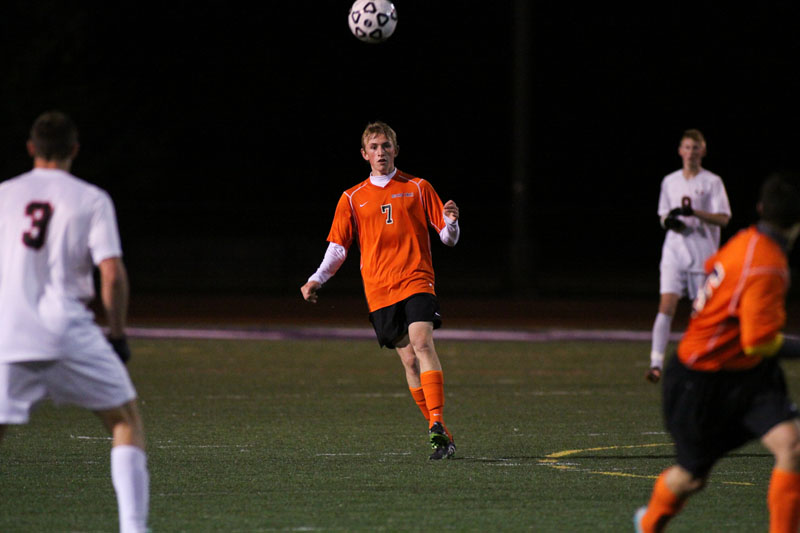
[681, 282]
[93, 378]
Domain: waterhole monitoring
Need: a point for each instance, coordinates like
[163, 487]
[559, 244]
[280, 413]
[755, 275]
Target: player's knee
[696, 484]
[422, 342]
[683, 483]
[423, 347]
[123, 422]
[690, 485]
[789, 453]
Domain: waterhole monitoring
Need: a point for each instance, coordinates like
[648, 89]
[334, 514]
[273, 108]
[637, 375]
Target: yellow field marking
[552, 460]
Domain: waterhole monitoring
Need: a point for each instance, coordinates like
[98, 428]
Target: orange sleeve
[343, 227]
[762, 313]
[434, 208]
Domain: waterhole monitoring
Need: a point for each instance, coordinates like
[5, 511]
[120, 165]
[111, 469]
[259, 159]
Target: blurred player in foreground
[390, 214]
[693, 206]
[54, 228]
[725, 387]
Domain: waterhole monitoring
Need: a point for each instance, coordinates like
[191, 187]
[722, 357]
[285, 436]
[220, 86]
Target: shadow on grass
[545, 459]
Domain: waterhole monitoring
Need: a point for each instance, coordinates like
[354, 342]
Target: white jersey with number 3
[687, 250]
[54, 228]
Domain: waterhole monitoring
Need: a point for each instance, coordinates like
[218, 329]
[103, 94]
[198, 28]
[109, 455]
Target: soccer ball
[372, 21]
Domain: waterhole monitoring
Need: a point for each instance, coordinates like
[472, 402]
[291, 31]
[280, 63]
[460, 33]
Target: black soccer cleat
[443, 446]
[438, 453]
[451, 450]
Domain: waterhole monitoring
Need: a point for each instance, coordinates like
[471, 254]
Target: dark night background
[225, 132]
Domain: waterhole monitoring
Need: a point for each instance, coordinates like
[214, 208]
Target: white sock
[132, 485]
[661, 330]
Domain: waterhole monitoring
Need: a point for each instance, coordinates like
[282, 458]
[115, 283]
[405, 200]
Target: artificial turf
[324, 436]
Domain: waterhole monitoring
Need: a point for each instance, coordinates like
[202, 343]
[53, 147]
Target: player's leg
[783, 497]
[688, 404]
[411, 366]
[94, 378]
[129, 473]
[662, 326]
[124, 424]
[432, 380]
[409, 360]
[420, 336]
[421, 313]
[670, 492]
[672, 285]
[21, 388]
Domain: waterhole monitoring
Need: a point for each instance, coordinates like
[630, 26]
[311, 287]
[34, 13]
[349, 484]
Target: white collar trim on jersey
[382, 181]
[51, 171]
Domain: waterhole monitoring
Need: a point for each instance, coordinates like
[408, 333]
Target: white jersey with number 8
[687, 250]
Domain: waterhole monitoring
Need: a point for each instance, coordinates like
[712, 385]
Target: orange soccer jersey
[741, 306]
[391, 224]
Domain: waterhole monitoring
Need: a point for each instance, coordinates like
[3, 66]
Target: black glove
[120, 346]
[673, 223]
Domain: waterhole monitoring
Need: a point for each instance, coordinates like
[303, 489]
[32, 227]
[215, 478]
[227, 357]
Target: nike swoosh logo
[362, 205]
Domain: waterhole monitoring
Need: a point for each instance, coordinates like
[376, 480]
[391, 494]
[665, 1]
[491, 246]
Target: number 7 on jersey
[387, 210]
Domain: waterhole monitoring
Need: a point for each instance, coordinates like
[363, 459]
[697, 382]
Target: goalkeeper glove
[653, 375]
[672, 222]
[120, 345]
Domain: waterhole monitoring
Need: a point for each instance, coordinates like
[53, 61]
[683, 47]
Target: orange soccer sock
[419, 396]
[783, 500]
[433, 386]
[663, 505]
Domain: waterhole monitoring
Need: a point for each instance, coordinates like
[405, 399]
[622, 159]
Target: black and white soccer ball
[372, 21]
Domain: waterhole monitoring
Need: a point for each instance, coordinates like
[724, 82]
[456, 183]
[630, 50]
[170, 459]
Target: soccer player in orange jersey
[390, 214]
[725, 386]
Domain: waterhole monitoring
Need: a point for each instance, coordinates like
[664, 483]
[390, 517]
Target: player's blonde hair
[377, 128]
[695, 135]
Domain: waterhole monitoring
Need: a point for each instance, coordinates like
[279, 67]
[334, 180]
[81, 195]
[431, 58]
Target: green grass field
[324, 436]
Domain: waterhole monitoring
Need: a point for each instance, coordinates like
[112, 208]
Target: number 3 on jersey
[40, 214]
[713, 281]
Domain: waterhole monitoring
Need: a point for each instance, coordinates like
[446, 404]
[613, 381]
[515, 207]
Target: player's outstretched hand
[309, 291]
[120, 345]
[653, 375]
[451, 210]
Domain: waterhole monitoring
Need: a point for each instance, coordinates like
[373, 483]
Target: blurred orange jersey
[741, 306]
[391, 224]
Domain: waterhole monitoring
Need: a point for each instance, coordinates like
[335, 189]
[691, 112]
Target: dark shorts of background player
[709, 414]
[391, 322]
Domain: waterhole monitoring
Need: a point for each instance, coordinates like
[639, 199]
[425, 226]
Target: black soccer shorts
[391, 322]
[710, 414]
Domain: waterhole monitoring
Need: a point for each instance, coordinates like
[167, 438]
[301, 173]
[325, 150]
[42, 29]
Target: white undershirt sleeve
[450, 232]
[334, 257]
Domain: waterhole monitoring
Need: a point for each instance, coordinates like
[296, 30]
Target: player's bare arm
[309, 291]
[718, 219]
[451, 210]
[114, 294]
